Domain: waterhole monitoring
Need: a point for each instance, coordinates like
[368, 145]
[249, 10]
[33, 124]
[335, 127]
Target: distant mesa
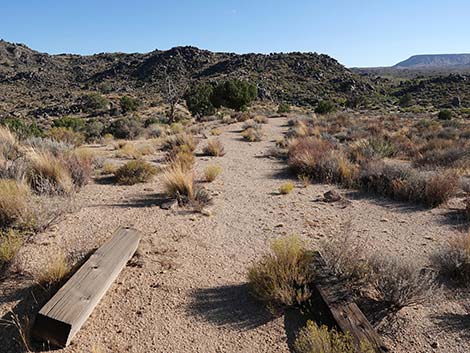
[435, 61]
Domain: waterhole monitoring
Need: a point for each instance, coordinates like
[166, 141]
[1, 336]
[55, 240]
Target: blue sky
[356, 32]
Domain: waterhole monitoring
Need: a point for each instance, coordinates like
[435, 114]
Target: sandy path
[186, 291]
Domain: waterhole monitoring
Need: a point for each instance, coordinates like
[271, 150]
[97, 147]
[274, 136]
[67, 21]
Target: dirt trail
[186, 290]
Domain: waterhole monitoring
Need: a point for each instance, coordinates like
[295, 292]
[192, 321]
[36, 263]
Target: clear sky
[356, 32]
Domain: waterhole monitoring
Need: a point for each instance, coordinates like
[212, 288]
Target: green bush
[22, 129]
[125, 128]
[445, 114]
[75, 124]
[129, 104]
[94, 130]
[406, 100]
[234, 94]
[94, 102]
[283, 108]
[198, 100]
[325, 107]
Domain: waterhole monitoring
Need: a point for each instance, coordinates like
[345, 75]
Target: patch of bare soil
[186, 291]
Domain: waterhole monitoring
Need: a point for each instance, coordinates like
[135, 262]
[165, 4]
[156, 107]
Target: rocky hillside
[435, 61]
[30, 80]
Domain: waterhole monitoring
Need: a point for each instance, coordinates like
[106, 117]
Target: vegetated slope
[435, 61]
[30, 80]
[440, 91]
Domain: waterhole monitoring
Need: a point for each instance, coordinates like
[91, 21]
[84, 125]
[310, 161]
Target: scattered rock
[169, 205]
[331, 196]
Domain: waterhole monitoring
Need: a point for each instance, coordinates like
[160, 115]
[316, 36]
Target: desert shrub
[234, 94]
[406, 100]
[10, 243]
[94, 102]
[281, 278]
[347, 260]
[66, 135]
[126, 128]
[14, 208]
[401, 182]
[319, 339]
[212, 172]
[21, 128]
[325, 107]
[242, 116]
[129, 104]
[401, 283]
[93, 130]
[214, 148]
[133, 172]
[440, 188]
[54, 272]
[445, 114]
[198, 100]
[48, 145]
[80, 167]
[283, 108]
[47, 174]
[200, 199]
[286, 188]
[453, 260]
[155, 131]
[319, 160]
[75, 124]
[178, 182]
[452, 156]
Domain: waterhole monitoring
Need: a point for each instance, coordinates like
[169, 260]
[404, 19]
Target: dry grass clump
[401, 182]
[214, 148]
[133, 172]
[68, 136]
[128, 150]
[185, 159]
[305, 180]
[319, 339]
[10, 243]
[178, 182]
[14, 208]
[180, 141]
[216, 131]
[109, 168]
[48, 174]
[260, 119]
[54, 272]
[281, 278]
[9, 146]
[286, 188]
[212, 172]
[253, 133]
[453, 260]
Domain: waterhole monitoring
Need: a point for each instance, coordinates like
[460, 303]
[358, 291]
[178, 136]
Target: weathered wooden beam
[64, 314]
[341, 312]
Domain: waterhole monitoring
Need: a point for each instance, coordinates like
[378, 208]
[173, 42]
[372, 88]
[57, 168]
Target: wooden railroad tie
[64, 314]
